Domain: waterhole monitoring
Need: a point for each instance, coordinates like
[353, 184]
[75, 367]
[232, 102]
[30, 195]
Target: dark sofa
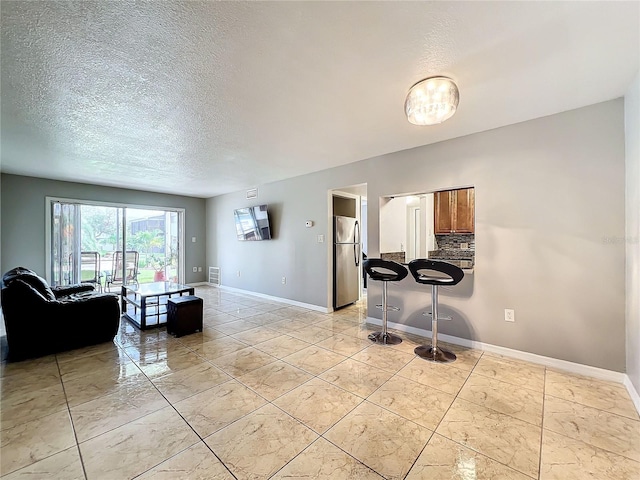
[40, 320]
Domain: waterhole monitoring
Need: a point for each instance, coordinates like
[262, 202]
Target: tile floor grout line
[508, 383]
[268, 402]
[220, 460]
[73, 427]
[296, 456]
[484, 455]
[281, 395]
[572, 438]
[230, 379]
[183, 419]
[362, 399]
[413, 464]
[493, 409]
[366, 399]
[461, 444]
[330, 442]
[193, 394]
[392, 412]
[350, 455]
[442, 418]
[324, 371]
[544, 389]
[50, 414]
[272, 403]
[429, 386]
[407, 419]
[201, 439]
[595, 447]
[609, 412]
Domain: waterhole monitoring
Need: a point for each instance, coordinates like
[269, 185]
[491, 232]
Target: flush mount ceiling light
[431, 101]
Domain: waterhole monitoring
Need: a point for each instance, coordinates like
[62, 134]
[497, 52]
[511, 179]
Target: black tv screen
[252, 223]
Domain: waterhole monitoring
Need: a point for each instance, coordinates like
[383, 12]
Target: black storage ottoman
[184, 315]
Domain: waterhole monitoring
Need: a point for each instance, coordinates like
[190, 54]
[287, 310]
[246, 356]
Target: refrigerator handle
[356, 241]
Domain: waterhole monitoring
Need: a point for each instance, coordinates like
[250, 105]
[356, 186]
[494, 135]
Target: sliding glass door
[154, 234]
[86, 244]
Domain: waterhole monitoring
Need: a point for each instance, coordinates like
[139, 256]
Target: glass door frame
[50, 200]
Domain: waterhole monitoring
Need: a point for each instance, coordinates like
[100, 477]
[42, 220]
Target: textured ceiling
[204, 98]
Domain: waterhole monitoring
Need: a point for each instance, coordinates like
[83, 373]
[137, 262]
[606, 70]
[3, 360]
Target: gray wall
[23, 218]
[632, 139]
[549, 207]
[293, 252]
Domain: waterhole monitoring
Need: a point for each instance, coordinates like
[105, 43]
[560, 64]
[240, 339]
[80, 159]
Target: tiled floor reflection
[270, 390]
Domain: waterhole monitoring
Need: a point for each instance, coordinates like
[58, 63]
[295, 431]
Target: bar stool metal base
[435, 354]
[384, 338]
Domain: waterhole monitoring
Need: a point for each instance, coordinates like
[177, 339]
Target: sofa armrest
[71, 289]
[95, 298]
[91, 305]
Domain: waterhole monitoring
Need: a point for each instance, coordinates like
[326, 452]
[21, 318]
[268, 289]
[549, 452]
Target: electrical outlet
[320, 238]
[509, 315]
[238, 272]
[284, 280]
[199, 269]
[464, 246]
[195, 269]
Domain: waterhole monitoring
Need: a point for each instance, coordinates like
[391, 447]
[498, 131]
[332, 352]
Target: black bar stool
[446, 275]
[385, 271]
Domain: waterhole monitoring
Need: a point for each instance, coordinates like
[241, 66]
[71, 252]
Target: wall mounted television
[252, 223]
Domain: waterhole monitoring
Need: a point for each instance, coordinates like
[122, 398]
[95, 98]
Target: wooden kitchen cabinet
[464, 201]
[454, 211]
[443, 216]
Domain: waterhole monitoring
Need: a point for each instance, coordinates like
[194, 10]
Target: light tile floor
[274, 391]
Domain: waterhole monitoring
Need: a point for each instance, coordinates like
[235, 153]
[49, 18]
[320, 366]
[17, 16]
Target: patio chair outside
[131, 261]
[89, 269]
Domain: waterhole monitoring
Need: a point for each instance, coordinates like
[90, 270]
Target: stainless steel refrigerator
[346, 261]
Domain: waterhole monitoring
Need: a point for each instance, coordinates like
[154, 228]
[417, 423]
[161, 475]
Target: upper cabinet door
[443, 212]
[463, 211]
[454, 211]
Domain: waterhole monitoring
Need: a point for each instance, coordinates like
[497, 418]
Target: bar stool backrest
[421, 267]
[375, 268]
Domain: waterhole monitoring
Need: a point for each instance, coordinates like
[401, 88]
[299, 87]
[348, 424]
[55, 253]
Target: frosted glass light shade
[431, 101]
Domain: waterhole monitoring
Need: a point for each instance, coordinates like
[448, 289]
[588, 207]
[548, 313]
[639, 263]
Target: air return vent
[253, 193]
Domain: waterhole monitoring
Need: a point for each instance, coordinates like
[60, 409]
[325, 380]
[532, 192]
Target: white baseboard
[572, 367]
[633, 393]
[288, 301]
[198, 284]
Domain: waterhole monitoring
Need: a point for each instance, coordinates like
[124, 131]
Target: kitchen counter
[467, 266]
[399, 257]
[464, 259]
[465, 263]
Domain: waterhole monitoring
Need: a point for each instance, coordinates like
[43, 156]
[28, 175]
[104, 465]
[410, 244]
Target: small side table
[184, 315]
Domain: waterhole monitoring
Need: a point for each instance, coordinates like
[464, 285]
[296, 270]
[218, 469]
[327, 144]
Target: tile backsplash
[452, 241]
[448, 246]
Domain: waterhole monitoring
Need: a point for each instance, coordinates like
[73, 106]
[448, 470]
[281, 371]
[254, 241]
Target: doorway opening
[347, 249]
